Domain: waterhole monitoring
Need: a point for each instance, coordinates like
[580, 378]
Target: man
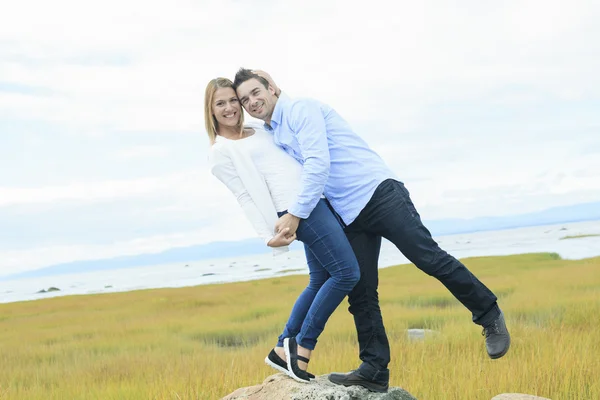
[372, 204]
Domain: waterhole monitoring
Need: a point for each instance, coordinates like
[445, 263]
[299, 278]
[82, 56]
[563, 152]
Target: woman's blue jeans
[334, 272]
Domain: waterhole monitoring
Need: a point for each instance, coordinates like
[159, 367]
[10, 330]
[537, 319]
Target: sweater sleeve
[222, 167]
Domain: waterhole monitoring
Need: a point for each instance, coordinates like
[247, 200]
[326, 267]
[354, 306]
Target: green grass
[580, 236]
[197, 343]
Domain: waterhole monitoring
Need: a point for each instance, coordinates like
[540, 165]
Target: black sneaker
[497, 338]
[354, 378]
[291, 354]
[274, 361]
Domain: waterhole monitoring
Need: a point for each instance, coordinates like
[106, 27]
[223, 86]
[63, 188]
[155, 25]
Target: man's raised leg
[392, 214]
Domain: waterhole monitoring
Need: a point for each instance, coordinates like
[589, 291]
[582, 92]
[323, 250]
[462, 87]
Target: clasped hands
[285, 229]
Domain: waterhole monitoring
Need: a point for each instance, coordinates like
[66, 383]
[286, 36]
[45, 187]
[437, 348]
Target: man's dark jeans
[391, 214]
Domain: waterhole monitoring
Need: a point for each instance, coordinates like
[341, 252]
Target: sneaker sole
[290, 373]
[275, 366]
[280, 368]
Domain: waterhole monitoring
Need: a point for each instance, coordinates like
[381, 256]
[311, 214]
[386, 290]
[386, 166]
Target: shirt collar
[277, 112]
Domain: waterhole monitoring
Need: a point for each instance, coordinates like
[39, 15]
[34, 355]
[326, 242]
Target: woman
[265, 181]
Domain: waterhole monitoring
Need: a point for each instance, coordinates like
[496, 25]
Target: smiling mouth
[230, 115]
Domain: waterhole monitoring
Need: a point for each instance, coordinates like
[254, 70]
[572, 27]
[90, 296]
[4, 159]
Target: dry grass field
[203, 342]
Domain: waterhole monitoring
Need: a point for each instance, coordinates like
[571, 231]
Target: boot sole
[497, 356]
[373, 387]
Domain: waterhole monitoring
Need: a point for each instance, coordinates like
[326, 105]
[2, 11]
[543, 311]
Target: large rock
[282, 387]
[517, 396]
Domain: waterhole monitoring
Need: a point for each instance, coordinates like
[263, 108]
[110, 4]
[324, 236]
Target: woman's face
[226, 107]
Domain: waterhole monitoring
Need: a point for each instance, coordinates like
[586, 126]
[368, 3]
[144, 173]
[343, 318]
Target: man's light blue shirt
[336, 161]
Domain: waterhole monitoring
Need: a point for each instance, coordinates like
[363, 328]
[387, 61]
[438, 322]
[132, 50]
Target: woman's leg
[323, 234]
[318, 276]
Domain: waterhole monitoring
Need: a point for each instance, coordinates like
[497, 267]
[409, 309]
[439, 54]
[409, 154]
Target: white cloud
[483, 109]
[416, 53]
[147, 151]
[180, 184]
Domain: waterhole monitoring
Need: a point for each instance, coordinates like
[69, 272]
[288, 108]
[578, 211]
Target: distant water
[243, 268]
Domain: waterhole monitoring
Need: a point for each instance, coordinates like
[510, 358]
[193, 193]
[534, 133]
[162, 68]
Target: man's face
[257, 100]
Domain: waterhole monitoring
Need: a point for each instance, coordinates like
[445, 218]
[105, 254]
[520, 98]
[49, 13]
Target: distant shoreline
[57, 292]
[541, 239]
[247, 247]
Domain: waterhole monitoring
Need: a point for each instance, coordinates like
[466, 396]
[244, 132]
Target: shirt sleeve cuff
[299, 212]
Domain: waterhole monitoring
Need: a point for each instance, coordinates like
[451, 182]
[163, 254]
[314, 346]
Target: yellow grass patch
[203, 342]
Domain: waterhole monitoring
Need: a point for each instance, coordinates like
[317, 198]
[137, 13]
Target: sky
[481, 109]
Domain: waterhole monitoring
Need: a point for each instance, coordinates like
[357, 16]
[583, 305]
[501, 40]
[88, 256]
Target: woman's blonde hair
[210, 122]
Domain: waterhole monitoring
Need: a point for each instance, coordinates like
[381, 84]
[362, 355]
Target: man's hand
[282, 239]
[265, 75]
[288, 221]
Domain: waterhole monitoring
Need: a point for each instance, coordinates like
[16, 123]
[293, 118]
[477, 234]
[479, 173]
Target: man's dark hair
[244, 75]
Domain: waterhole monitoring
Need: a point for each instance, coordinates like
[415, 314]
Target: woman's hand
[282, 239]
[265, 75]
